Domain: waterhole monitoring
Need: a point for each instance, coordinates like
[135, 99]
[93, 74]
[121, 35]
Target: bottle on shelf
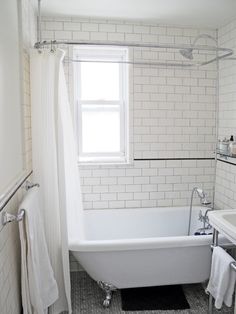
[232, 147]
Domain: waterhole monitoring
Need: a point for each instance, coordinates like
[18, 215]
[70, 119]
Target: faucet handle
[200, 215]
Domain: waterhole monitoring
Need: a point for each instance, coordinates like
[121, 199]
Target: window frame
[111, 54]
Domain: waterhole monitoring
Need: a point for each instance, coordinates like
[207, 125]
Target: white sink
[230, 218]
[224, 221]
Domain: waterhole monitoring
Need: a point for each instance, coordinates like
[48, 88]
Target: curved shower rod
[227, 52]
[128, 44]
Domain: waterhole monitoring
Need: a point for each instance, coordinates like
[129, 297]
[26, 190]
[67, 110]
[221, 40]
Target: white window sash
[120, 105]
[100, 109]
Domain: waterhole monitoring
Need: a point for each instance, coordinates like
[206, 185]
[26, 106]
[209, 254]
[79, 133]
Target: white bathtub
[143, 247]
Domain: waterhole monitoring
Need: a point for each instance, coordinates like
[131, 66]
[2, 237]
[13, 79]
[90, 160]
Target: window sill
[105, 163]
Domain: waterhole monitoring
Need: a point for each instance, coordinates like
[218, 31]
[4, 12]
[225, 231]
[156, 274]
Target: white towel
[222, 278]
[39, 288]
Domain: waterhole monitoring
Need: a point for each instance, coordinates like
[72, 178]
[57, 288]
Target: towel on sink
[222, 279]
[39, 288]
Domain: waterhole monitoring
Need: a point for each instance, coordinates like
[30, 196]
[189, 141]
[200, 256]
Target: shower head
[187, 53]
[205, 201]
[203, 197]
[200, 193]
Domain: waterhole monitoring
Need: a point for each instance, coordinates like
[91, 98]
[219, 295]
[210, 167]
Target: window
[101, 91]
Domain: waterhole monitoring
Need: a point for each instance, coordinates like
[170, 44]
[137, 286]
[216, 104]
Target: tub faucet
[204, 201]
[204, 218]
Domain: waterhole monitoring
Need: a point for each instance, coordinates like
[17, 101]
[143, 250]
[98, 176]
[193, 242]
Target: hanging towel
[222, 278]
[39, 288]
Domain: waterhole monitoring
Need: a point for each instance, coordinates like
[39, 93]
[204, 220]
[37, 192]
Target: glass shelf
[225, 155]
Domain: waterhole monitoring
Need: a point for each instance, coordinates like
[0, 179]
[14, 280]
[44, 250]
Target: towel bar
[224, 246]
[228, 246]
[6, 217]
[29, 185]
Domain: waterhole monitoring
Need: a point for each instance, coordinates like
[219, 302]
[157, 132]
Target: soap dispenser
[232, 146]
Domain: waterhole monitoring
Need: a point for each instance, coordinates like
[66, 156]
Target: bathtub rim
[139, 243]
[124, 244]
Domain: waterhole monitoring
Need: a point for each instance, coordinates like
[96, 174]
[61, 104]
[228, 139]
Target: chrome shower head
[205, 202]
[200, 193]
[203, 197]
[187, 53]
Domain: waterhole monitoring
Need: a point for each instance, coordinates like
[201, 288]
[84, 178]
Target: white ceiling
[212, 13]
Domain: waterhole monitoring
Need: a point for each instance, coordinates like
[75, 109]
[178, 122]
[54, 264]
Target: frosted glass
[99, 81]
[100, 131]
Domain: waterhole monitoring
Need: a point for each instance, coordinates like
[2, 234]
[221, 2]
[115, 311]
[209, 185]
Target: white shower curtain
[55, 165]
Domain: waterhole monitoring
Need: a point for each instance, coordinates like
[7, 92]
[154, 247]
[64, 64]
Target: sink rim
[217, 220]
[225, 216]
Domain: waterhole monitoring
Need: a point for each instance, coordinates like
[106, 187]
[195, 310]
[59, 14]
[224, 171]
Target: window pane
[99, 81]
[100, 131]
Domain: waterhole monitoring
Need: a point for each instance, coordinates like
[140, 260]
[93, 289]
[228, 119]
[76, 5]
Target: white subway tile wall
[225, 190]
[145, 183]
[225, 194]
[10, 290]
[172, 115]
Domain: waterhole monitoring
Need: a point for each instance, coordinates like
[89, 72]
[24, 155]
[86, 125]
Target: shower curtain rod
[129, 44]
[68, 60]
[227, 52]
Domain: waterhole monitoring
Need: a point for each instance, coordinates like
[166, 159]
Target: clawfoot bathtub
[125, 248]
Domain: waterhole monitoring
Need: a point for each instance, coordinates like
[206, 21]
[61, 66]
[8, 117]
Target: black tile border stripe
[146, 159]
[226, 161]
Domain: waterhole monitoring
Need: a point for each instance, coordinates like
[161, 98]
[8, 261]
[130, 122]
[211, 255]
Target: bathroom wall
[226, 169]
[172, 118]
[10, 297]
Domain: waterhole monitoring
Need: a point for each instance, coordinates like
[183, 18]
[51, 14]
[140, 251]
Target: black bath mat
[154, 298]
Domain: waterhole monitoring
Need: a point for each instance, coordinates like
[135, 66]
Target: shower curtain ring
[51, 47]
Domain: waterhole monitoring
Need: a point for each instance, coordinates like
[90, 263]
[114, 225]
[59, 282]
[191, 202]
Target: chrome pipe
[224, 246]
[215, 237]
[136, 62]
[190, 211]
[39, 32]
[216, 123]
[215, 243]
[130, 44]
[226, 51]
[210, 304]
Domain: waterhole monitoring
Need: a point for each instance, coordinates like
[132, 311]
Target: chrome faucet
[204, 201]
[204, 218]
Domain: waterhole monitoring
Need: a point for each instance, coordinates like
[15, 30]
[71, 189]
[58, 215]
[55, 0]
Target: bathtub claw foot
[106, 303]
[108, 289]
